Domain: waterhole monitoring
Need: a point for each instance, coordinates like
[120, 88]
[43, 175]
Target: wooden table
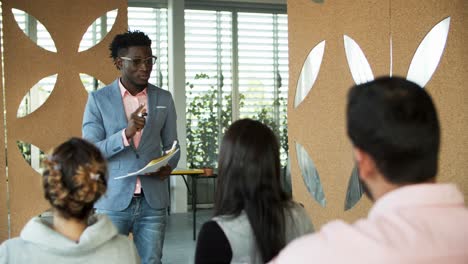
[195, 174]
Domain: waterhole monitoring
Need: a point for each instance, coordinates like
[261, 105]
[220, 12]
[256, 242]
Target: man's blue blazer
[103, 121]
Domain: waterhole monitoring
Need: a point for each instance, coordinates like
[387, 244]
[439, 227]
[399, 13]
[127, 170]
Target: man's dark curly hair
[126, 40]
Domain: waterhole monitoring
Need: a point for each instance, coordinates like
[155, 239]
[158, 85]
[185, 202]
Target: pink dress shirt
[131, 103]
[421, 223]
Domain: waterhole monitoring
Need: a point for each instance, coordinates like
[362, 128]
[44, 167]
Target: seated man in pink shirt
[395, 132]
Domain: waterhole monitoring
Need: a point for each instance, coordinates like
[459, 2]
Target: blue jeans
[147, 225]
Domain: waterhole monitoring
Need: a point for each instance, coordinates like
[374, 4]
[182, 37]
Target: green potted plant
[210, 113]
[207, 118]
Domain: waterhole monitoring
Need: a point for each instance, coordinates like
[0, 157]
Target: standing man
[133, 122]
[395, 132]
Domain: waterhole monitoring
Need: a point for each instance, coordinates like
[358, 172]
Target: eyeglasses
[137, 62]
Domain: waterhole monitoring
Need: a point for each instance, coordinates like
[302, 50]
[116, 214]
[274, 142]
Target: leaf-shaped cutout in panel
[286, 178]
[309, 72]
[36, 96]
[90, 83]
[357, 62]
[310, 175]
[428, 54]
[32, 155]
[98, 30]
[34, 29]
[354, 191]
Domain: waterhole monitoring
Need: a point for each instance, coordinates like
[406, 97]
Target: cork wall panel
[3, 176]
[61, 115]
[410, 22]
[318, 123]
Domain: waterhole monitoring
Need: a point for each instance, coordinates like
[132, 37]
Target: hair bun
[74, 178]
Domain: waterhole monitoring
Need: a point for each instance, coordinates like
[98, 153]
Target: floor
[179, 246]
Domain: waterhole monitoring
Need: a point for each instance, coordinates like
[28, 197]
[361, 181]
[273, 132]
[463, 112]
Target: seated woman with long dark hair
[74, 178]
[253, 217]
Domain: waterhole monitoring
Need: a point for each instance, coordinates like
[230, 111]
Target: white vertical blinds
[208, 49]
[240, 53]
[263, 71]
[153, 21]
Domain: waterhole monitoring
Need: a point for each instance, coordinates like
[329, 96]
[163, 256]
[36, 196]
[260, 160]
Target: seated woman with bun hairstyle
[74, 178]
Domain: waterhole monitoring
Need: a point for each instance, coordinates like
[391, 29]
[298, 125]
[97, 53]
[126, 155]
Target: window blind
[240, 55]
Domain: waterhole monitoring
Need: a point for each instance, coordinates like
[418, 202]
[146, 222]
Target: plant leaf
[354, 191]
[32, 155]
[286, 177]
[310, 175]
[36, 96]
[428, 54]
[98, 30]
[309, 72]
[357, 62]
[46, 41]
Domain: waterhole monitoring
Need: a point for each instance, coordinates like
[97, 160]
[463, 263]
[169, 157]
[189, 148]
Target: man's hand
[162, 173]
[136, 122]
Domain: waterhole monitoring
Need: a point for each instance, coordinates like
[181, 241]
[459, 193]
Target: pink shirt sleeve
[124, 139]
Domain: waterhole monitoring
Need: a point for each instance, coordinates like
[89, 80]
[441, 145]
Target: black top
[212, 245]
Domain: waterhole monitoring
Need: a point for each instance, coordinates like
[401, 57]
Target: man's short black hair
[126, 40]
[395, 122]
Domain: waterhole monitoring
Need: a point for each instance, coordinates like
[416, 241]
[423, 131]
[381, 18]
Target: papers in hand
[155, 164]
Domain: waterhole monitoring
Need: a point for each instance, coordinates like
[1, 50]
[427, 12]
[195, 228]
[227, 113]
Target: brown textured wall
[319, 122]
[3, 178]
[411, 21]
[61, 115]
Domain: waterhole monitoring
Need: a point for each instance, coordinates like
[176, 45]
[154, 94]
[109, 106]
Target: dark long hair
[249, 180]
